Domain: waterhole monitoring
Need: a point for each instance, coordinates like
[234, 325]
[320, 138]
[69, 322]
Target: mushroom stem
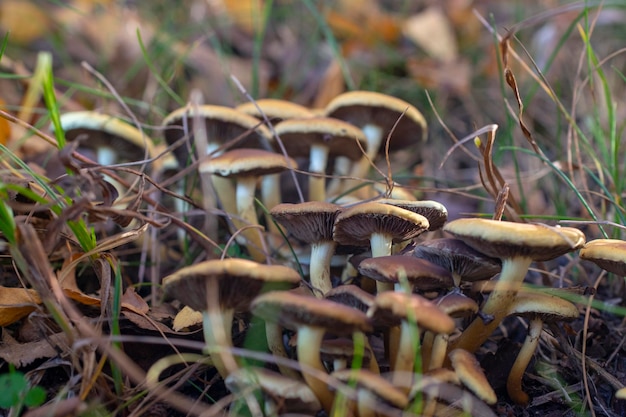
[270, 196]
[381, 246]
[439, 349]
[514, 380]
[511, 278]
[245, 191]
[308, 348]
[374, 135]
[321, 255]
[318, 158]
[274, 335]
[404, 367]
[216, 326]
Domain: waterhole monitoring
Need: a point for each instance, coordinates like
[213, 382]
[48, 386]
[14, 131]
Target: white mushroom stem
[319, 270]
[216, 326]
[274, 336]
[270, 197]
[404, 367]
[511, 278]
[374, 136]
[438, 351]
[341, 169]
[514, 380]
[245, 190]
[308, 348]
[318, 158]
[380, 244]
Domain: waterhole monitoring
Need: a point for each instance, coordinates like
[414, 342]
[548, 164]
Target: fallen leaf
[186, 317]
[16, 303]
[5, 127]
[24, 21]
[431, 31]
[23, 354]
[133, 302]
[246, 14]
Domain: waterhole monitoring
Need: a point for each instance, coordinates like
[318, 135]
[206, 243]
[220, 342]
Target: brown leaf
[24, 21]
[23, 354]
[133, 302]
[431, 31]
[16, 303]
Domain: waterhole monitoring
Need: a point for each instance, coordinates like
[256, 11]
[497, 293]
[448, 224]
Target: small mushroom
[608, 254]
[471, 375]
[379, 225]
[517, 245]
[219, 288]
[539, 308]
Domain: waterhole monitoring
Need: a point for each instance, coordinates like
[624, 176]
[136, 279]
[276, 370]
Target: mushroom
[471, 375]
[539, 308]
[377, 115]
[311, 318]
[312, 222]
[246, 166]
[465, 263]
[375, 396]
[275, 111]
[421, 275]
[435, 212]
[221, 125]
[219, 288]
[317, 138]
[378, 225]
[517, 245]
[281, 394]
[413, 313]
[608, 254]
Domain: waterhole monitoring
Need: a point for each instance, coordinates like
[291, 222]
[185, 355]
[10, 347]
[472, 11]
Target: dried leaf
[246, 14]
[186, 317]
[23, 354]
[24, 21]
[431, 31]
[5, 127]
[133, 302]
[16, 303]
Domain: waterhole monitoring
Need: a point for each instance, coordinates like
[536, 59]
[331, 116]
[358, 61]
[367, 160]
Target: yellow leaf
[431, 31]
[16, 303]
[185, 318]
[24, 21]
[246, 14]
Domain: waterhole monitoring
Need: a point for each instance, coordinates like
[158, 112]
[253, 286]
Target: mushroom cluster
[363, 299]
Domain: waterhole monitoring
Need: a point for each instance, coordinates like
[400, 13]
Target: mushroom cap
[377, 385]
[275, 110]
[503, 239]
[363, 108]
[356, 224]
[341, 138]
[341, 348]
[351, 296]
[456, 304]
[293, 311]
[421, 274]
[608, 254]
[309, 222]
[247, 162]
[435, 212]
[471, 375]
[105, 130]
[222, 125]
[393, 307]
[294, 396]
[549, 308]
[458, 258]
[238, 282]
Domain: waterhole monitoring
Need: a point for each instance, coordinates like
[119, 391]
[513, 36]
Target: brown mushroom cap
[460, 259]
[355, 225]
[502, 239]
[608, 254]
[222, 124]
[382, 389]
[101, 130]
[351, 296]
[341, 138]
[362, 108]
[274, 109]
[471, 375]
[435, 212]
[310, 221]
[421, 274]
[292, 311]
[240, 280]
[247, 162]
[397, 306]
[290, 395]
